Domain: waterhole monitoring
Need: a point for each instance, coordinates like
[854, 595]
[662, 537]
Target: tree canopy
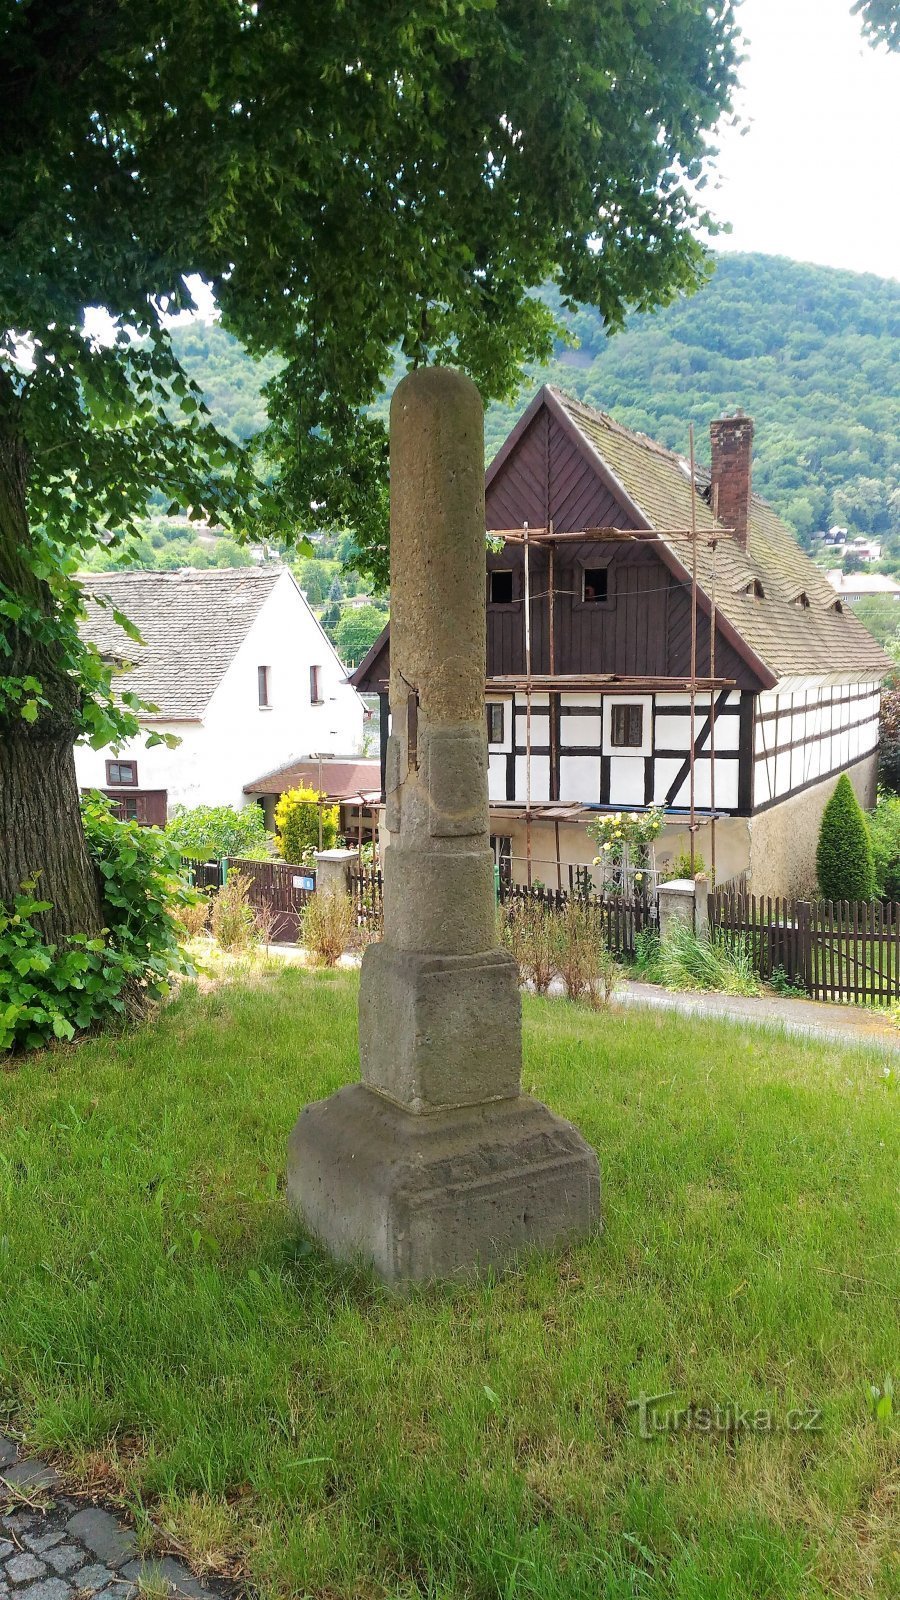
[351, 180]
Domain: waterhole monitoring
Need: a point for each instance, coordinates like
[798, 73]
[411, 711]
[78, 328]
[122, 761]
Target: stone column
[436, 1164]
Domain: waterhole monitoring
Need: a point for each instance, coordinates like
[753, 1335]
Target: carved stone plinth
[444, 1195]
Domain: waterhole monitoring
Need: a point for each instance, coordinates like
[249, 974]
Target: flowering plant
[626, 840]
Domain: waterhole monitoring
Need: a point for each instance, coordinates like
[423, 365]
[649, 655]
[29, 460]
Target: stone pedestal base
[440, 1031]
[439, 1196]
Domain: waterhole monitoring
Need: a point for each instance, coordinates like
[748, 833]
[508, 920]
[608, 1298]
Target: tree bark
[41, 832]
[40, 820]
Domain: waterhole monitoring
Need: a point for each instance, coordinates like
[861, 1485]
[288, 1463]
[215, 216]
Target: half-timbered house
[613, 631]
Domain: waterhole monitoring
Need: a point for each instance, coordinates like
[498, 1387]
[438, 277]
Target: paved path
[55, 1548]
[854, 1026]
[857, 1027]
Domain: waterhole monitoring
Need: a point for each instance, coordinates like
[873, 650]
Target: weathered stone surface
[64, 1557]
[27, 1476]
[439, 1031]
[19, 1569]
[103, 1535]
[87, 1580]
[8, 1452]
[424, 1197]
[436, 1165]
[46, 1589]
[151, 1573]
[42, 1541]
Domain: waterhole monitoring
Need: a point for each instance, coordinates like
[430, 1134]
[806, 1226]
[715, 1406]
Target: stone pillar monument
[436, 1164]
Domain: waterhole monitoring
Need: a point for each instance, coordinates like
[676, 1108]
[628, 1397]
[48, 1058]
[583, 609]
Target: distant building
[353, 784]
[238, 669]
[862, 585]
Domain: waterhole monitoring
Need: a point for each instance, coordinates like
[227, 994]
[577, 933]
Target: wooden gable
[544, 473]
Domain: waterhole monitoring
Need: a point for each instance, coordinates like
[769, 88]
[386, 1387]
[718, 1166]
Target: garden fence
[841, 950]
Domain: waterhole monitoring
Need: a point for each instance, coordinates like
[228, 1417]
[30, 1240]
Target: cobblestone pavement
[55, 1548]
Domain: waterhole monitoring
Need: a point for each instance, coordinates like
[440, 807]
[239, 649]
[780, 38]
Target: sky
[817, 175]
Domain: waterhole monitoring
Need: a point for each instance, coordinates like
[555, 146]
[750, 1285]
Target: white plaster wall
[238, 740]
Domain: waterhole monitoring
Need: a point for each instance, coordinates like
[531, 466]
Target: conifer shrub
[844, 863]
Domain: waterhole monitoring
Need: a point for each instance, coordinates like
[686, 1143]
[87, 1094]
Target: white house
[238, 669]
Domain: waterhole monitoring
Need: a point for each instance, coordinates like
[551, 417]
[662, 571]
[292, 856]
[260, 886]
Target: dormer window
[836, 605]
[595, 585]
[802, 599]
[755, 589]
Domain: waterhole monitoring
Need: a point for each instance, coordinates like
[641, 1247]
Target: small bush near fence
[232, 919]
[568, 939]
[328, 925]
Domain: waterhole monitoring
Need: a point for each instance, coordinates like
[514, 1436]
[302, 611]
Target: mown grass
[162, 1315]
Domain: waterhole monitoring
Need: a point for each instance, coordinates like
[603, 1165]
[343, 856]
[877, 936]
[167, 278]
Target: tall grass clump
[232, 919]
[527, 931]
[582, 956]
[328, 925]
[687, 960]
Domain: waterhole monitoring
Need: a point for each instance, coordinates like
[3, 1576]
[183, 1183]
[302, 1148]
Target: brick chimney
[731, 439]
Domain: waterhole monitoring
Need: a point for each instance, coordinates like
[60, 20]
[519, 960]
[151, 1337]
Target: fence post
[333, 869]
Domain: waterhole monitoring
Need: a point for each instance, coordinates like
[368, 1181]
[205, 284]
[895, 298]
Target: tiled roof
[338, 779]
[790, 637]
[192, 624]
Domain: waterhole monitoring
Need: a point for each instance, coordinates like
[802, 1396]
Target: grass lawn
[164, 1326]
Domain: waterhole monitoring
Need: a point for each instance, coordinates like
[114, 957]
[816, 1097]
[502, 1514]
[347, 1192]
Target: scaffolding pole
[527, 707]
[693, 774]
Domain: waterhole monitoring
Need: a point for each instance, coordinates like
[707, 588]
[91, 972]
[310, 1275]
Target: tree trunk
[40, 821]
[40, 825]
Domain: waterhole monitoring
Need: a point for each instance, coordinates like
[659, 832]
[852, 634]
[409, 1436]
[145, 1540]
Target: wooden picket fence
[841, 950]
[622, 917]
[367, 892]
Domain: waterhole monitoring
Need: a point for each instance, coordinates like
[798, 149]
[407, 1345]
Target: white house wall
[804, 735]
[593, 771]
[238, 740]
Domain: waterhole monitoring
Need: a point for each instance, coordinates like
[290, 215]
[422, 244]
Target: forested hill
[810, 352]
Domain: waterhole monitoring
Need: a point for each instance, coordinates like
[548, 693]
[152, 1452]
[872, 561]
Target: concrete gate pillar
[333, 870]
[436, 1163]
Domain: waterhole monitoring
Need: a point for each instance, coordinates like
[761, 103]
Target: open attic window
[837, 605]
[801, 598]
[755, 589]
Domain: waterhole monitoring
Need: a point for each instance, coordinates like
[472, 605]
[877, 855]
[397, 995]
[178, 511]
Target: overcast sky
[817, 176]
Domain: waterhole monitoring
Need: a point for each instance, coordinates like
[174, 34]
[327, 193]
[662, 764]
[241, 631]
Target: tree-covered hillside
[809, 352]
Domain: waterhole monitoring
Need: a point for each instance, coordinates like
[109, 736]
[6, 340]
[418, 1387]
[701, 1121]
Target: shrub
[581, 954]
[207, 833]
[844, 864]
[884, 831]
[328, 925]
[526, 929]
[232, 919]
[297, 821]
[50, 991]
[144, 893]
[680, 867]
